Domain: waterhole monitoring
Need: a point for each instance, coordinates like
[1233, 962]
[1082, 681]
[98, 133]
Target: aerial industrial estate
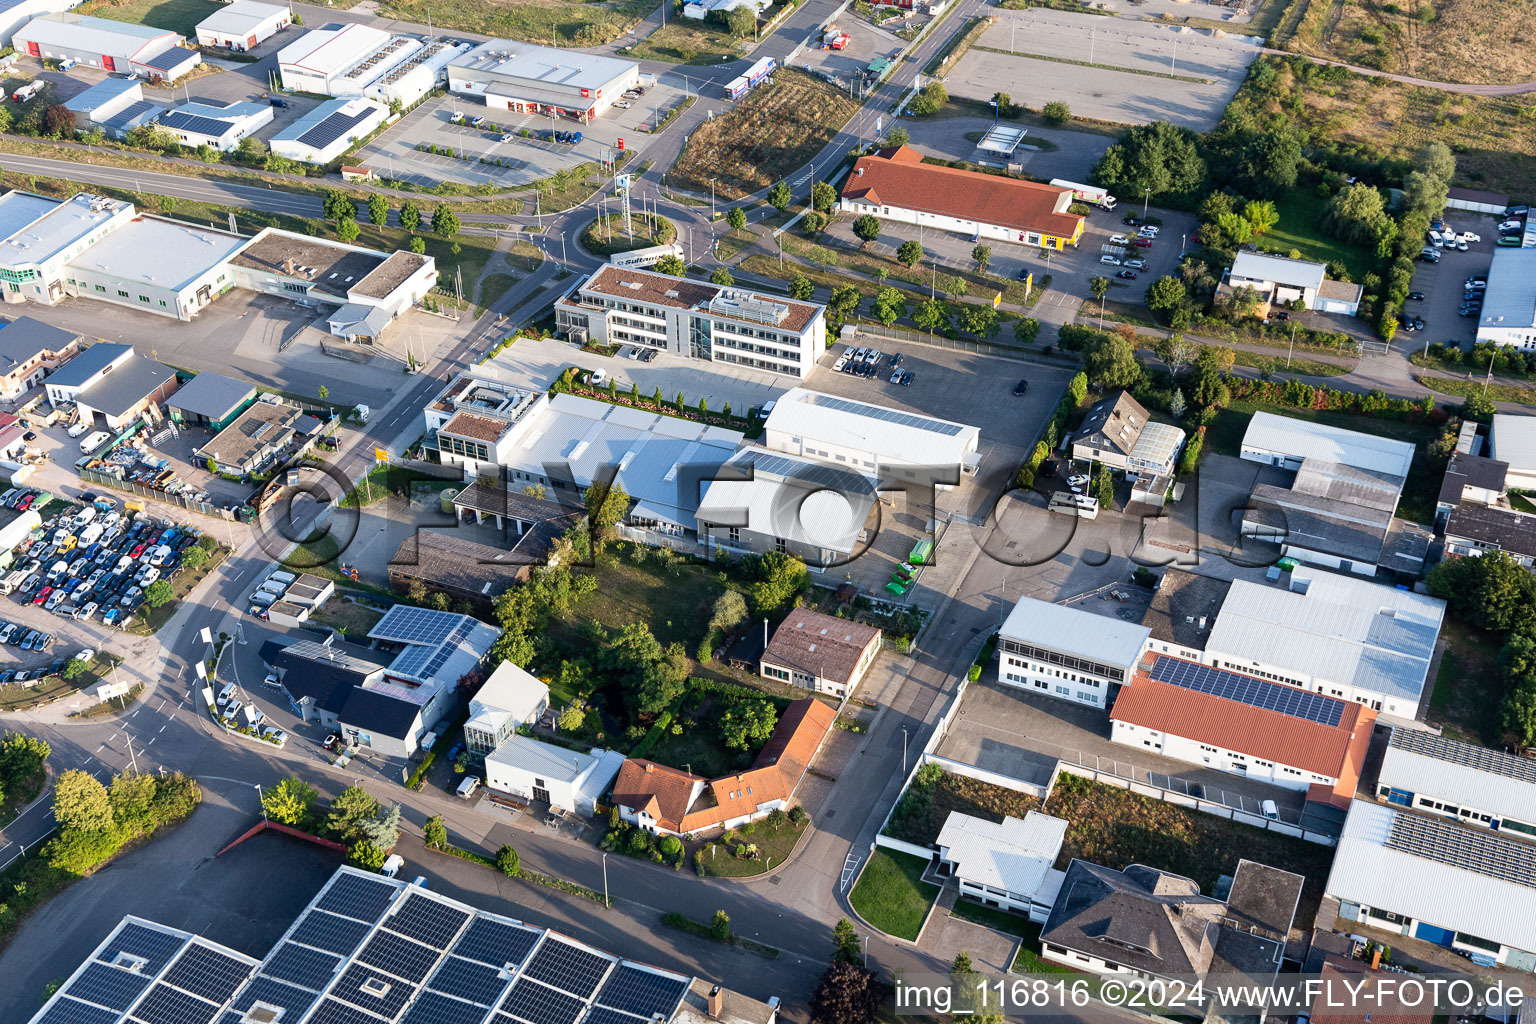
[740, 511]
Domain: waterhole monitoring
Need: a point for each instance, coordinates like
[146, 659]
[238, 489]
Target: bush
[366, 856]
[639, 842]
[720, 926]
[1056, 113]
[508, 862]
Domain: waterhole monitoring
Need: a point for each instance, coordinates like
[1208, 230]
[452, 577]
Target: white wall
[1219, 758]
[1515, 337]
[969, 228]
[519, 783]
[1037, 677]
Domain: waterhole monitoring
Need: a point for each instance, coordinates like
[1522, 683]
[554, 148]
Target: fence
[101, 479]
[980, 348]
[1184, 800]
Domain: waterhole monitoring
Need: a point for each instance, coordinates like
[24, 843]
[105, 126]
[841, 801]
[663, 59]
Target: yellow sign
[997, 300]
[380, 455]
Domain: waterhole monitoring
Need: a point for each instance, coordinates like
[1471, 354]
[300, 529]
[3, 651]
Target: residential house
[1005, 864]
[29, 351]
[1117, 432]
[266, 433]
[113, 106]
[508, 699]
[531, 770]
[820, 652]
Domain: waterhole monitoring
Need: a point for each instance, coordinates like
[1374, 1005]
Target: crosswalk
[802, 179]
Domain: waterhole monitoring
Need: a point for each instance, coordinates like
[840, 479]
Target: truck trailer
[1087, 193]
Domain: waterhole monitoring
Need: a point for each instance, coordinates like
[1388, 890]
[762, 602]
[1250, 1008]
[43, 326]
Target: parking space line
[162, 728]
[101, 748]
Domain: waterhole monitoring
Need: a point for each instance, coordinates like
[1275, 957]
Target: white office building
[509, 699]
[694, 319]
[761, 501]
[113, 106]
[221, 126]
[329, 130]
[532, 770]
[872, 439]
[189, 268]
[243, 25]
[525, 78]
[42, 235]
[1474, 785]
[1068, 653]
[1005, 864]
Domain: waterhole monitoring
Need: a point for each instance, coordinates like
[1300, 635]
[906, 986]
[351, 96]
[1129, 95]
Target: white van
[1081, 505]
[468, 786]
[282, 577]
[78, 429]
[95, 441]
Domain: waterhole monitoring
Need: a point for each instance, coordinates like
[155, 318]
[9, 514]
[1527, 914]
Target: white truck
[1087, 193]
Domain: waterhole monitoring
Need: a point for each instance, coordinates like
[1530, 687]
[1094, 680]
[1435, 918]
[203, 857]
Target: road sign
[997, 300]
[879, 123]
[206, 635]
[621, 182]
[106, 691]
[380, 455]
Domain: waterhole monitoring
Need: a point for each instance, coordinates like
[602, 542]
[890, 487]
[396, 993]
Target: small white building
[1068, 653]
[1512, 440]
[510, 698]
[760, 501]
[1509, 305]
[221, 126]
[872, 439]
[1005, 864]
[545, 773]
[115, 106]
[243, 25]
[1286, 442]
[1473, 785]
[1279, 280]
[329, 130]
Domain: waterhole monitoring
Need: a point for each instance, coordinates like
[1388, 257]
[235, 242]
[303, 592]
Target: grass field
[891, 894]
[605, 235]
[1441, 40]
[771, 133]
[1116, 828]
[552, 22]
[1300, 210]
[1467, 388]
[924, 809]
[174, 15]
[1468, 688]
[774, 845]
[686, 42]
[675, 602]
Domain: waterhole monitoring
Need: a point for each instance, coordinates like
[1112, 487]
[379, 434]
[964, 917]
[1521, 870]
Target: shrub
[508, 862]
[720, 926]
[366, 856]
[639, 842]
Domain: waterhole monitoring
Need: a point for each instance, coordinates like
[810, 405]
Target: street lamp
[606, 904]
[711, 198]
[1146, 199]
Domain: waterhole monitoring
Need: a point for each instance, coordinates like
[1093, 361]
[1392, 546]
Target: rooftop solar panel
[607, 1015]
[479, 983]
[539, 1004]
[360, 898]
[372, 990]
[809, 472]
[165, 1005]
[399, 956]
[154, 946]
[69, 1011]
[301, 965]
[905, 419]
[568, 967]
[194, 123]
[108, 986]
[333, 1012]
[207, 972]
[496, 942]
[1468, 755]
[639, 991]
[330, 932]
[1476, 850]
[333, 128]
[432, 1008]
[1260, 693]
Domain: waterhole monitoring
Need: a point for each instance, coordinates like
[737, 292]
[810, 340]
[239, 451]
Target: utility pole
[1146, 199]
[134, 761]
[261, 801]
[903, 751]
[606, 904]
[1292, 350]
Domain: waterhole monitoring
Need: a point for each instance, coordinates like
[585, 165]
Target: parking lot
[1023, 734]
[478, 150]
[1444, 283]
[1138, 71]
[1072, 156]
[865, 43]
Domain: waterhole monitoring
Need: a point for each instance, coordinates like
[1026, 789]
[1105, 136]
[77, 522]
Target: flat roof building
[1067, 653]
[328, 131]
[242, 25]
[141, 50]
[509, 698]
[895, 184]
[35, 255]
[1467, 783]
[1333, 634]
[1285, 442]
[1183, 611]
[694, 320]
[1508, 316]
[526, 78]
[211, 399]
[258, 436]
[220, 126]
[1246, 726]
[1470, 890]
[872, 439]
[189, 270]
[1512, 440]
[538, 772]
[115, 106]
[820, 652]
[1006, 863]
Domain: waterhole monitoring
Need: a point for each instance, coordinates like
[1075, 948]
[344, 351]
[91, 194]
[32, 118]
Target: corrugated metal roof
[800, 500]
[1510, 300]
[1279, 269]
[544, 760]
[515, 61]
[1341, 629]
[890, 435]
[210, 394]
[1308, 440]
[1513, 439]
[1461, 773]
[1077, 632]
[1013, 854]
[1368, 872]
[241, 17]
[82, 32]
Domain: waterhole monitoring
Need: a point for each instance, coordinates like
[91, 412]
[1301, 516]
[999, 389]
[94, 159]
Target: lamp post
[1146, 199]
[903, 750]
[262, 801]
[606, 904]
[711, 198]
[1292, 349]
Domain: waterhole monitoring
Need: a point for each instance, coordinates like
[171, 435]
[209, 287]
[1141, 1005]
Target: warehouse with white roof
[1285, 442]
[1508, 316]
[1512, 439]
[243, 25]
[870, 438]
[189, 270]
[152, 53]
[320, 58]
[1334, 634]
[526, 78]
[1474, 785]
[329, 130]
[1068, 653]
[1467, 889]
[45, 235]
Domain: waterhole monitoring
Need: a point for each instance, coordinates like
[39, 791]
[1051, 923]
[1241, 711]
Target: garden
[935, 793]
[747, 850]
[891, 894]
[900, 625]
[606, 235]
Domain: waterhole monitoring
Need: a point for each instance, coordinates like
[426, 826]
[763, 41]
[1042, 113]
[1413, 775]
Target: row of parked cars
[235, 712]
[94, 560]
[34, 675]
[23, 498]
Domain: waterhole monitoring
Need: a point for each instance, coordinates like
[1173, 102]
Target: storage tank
[446, 497]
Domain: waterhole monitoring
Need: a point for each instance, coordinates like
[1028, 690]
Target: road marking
[162, 729]
[101, 748]
[151, 741]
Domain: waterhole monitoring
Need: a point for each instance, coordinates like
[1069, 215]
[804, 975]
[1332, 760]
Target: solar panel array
[197, 124]
[808, 472]
[150, 975]
[1476, 850]
[407, 625]
[875, 412]
[1260, 693]
[1468, 755]
[333, 128]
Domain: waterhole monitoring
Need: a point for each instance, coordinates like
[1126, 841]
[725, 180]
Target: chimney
[288, 266]
[1202, 622]
[1376, 959]
[716, 1002]
[649, 768]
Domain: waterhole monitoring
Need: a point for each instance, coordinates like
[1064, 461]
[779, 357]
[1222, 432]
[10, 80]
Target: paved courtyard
[1073, 157]
[1139, 71]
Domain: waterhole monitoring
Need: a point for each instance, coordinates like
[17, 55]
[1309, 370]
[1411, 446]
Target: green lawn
[675, 601]
[774, 845]
[891, 895]
[174, 15]
[1468, 687]
[557, 22]
[1299, 212]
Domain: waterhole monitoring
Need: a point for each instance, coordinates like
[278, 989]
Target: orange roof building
[895, 184]
[663, 799]
[1245, 725]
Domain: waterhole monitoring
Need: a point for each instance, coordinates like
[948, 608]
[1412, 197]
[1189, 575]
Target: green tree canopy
[779, 196]
[736, 217]
[780, 579]
[444, 221]
[800, 287]
[672, 265]
[910, 253]
[289, 802]
[845, 943]
[1157, 157]
[410, 215]
[1356, 214]
[378, 209]
[747, 724]
[722, 276]
[1110, 360]
[867, 227]
[1492, 591]
[823, 197]
[81, 803]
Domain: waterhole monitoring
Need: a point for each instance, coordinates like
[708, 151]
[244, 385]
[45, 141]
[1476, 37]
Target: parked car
[277, 101]
[1136, 264]
[1110, 261]
[1416, 296]
[1119, 240]
[1021, 387]
[1126, 275]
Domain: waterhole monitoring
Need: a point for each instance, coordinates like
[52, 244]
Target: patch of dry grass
[775, 130]
[551, 22]
[1483, 41]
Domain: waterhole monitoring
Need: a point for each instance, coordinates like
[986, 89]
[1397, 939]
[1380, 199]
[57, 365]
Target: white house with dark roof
[1118, 432]
[329, 130]
[115, 106]
[29, 351]
[1068, 653]
[112, 380]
